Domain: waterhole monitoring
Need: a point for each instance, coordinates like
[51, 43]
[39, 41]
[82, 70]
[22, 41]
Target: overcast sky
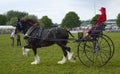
[57, 9]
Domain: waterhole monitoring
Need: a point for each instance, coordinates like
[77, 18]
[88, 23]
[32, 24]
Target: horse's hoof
[70, 56]
[61, 62]
[72, 60]
[24, 54]
[34, 63]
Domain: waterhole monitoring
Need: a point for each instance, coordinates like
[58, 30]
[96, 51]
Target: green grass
[13, 62]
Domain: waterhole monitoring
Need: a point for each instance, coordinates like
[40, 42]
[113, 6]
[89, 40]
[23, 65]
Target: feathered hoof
[61, 62]
[24, 54]
[34, 63]
[71, 58]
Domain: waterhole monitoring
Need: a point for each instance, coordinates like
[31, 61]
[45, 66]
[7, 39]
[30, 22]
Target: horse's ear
[18, 19]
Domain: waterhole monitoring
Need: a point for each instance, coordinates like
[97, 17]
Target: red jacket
[101, 19]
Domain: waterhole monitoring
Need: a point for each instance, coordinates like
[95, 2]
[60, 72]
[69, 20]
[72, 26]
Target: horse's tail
[71, 34]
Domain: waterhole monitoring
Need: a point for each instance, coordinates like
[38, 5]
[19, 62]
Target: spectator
[12, 36]
[18, 40]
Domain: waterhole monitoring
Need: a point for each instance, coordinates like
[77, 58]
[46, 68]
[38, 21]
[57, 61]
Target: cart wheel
[111, 44]
[82, 54]
[97, 51]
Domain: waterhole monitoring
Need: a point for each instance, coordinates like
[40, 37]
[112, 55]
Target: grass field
[13, 62]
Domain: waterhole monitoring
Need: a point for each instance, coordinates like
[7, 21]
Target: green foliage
[94, 19]
[3, 19]
[46, 22]
[71, 20]
[17, 14]
[118, 20]
[12, 21]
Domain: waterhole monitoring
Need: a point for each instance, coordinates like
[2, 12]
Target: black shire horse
[37, 37]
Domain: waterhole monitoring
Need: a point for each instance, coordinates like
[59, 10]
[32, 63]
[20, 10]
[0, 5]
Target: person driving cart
[99, 26]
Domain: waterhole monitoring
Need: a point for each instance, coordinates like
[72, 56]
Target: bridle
[25, 23]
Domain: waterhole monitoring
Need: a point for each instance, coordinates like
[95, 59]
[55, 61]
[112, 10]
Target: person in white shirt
[12, 36]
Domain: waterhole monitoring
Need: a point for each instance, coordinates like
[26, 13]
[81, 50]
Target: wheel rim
[98, 51]
[82, 56]
[111, 44]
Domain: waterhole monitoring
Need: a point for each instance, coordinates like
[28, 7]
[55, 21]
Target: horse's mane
[31, 22]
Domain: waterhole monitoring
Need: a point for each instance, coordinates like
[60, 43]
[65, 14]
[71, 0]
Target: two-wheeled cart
[95, 50]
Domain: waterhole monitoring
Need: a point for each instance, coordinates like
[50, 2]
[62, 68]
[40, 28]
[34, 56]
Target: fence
[6, 29]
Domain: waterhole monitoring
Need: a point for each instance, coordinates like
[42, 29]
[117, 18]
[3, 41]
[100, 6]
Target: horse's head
[24, 24]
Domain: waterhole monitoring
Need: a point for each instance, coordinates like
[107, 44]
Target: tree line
[71, 19]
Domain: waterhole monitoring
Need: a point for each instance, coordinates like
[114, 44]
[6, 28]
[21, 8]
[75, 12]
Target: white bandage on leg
[62, 61]
[37, 60]
[70, 57]
[25, 51]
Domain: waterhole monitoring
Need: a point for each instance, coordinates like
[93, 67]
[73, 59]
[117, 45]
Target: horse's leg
[64, 56]
[70, 54]
[66, 50]
[25, 50]
[37, 60]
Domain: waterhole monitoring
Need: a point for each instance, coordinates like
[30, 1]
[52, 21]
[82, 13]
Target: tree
[17, 14]
[46, 22]
[3, 19]
[71, 20]
[94, 19]
[118, 20]
[12, 21]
